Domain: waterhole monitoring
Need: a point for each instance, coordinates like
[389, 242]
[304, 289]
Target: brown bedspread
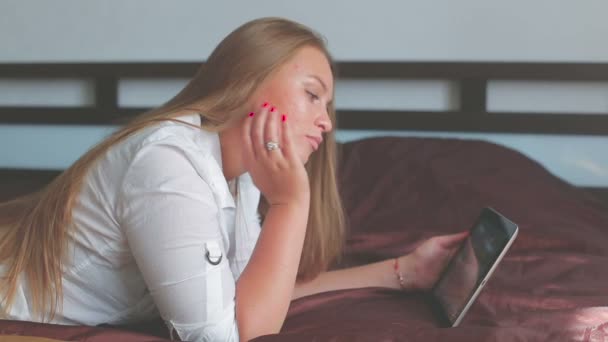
[551, 286]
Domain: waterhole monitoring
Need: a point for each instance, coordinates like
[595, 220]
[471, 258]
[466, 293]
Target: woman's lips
[314, 142]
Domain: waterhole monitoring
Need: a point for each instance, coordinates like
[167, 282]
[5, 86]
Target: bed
[398, 191]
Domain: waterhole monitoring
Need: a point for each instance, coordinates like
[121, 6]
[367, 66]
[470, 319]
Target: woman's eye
[313, 96]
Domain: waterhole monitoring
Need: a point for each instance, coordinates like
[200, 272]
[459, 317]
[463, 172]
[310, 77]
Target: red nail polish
[251, 114]
[272, 109]
[284, 117]
[265, 104]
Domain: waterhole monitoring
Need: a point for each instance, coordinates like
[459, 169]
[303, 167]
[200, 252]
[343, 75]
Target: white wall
[187, 30]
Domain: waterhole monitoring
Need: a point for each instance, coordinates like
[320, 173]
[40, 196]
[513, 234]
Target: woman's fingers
[271, 132]
[248, 144]
[452, 240]
[257, 132]
[278, 173]
[287, 140]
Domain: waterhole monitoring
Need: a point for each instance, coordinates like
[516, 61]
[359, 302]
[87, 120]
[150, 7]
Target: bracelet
[400, 277]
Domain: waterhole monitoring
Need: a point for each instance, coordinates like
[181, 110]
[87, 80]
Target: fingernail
[272, 109]
[284, 117]
[251, 114]
[265, 104]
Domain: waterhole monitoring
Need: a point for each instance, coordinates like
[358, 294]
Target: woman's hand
[279, 174]
[429, 259]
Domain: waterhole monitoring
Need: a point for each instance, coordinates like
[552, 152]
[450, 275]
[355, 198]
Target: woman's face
[302, 89]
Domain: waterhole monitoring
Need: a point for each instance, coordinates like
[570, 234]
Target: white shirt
[148, 213]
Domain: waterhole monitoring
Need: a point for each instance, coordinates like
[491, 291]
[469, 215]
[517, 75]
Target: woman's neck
[230, 145]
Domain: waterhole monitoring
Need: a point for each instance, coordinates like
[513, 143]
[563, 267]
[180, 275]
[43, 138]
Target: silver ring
[271, 145]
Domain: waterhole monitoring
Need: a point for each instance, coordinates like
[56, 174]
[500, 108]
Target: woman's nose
[324, 122]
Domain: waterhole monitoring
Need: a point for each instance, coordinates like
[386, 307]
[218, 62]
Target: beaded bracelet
[400, 277]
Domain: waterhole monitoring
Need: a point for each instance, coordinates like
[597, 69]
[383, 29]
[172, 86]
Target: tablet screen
[471, 263]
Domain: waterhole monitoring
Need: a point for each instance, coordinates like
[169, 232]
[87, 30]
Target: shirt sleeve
[171, 221]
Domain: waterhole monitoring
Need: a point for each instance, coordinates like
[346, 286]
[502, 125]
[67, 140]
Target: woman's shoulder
[163, 147]
[180, 142]
[181, 134]
[182, 131]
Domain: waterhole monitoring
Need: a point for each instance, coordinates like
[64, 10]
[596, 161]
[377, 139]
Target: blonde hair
[34, 229]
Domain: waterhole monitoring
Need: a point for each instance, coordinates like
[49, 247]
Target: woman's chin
[307, 156]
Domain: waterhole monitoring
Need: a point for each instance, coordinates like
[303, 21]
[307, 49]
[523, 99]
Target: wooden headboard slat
[382, 70]
[473, 95]
[452, 121]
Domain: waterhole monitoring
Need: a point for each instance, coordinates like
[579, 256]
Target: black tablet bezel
[511, 230]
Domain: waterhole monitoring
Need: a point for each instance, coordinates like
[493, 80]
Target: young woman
[163, 216]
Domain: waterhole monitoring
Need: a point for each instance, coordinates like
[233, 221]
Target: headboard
[471, 79]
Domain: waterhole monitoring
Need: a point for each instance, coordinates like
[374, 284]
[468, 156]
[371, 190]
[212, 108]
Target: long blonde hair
[34, 229]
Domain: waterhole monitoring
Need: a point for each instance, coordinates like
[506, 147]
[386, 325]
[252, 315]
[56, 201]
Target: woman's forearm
[378, 274]
[265, 288]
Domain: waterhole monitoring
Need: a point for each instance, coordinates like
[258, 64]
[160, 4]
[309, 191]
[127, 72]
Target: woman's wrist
[298, 200]
[402, 273]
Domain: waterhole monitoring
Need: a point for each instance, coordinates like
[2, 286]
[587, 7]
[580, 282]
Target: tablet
[471, 266]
